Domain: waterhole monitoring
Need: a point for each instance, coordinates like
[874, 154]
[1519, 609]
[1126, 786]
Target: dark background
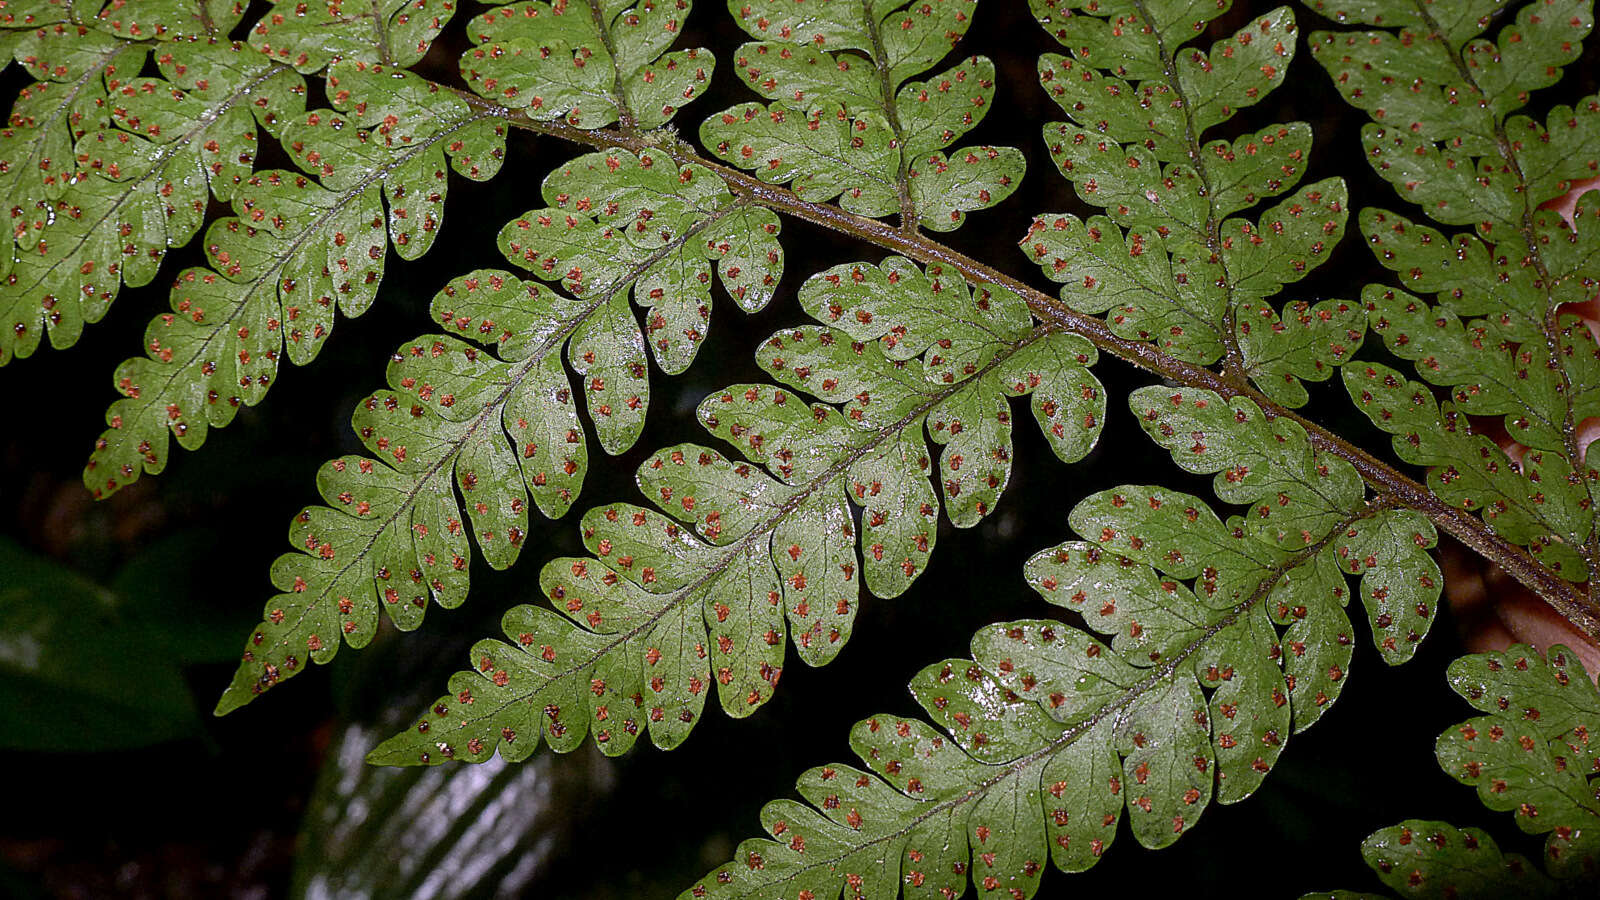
[231, 808]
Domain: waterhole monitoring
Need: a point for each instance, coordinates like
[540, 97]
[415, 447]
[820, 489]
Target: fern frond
[659, 612]
[302, 246]
[1165, 262]
[20, 17]
[611, 212]
[503, 427]
[846, 123]
[1533, 754]
[1048, 733]
[310, 35]
[92, 217]
[169, 20]
[77, 70]
[588, 63]
[1438, 861]
[142, 186]
[1444, 137]
[144, 20]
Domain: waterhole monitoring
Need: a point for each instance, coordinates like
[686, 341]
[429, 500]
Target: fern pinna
[1182, 639]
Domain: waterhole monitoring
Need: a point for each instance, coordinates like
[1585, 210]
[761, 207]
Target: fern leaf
[77, 69]
[1533, 753]
[905, 313]
[1438, 861]
[1480, 359]
[1455, 21]
[143, 185]
[1534, 503]
[704, 591]
[503, 427]
[145, 20]
[81, 63]
[303, 245]
[1417, 79]
[1444, 137]
[1295, 497]
[587, 63]
[1123, 30]
[1048, 733]
[610, 212]
[1165, 263]
[311, 35]
[170, 20]
[846, 123]
[1307, 343]
[19, 17]
[1187, 299]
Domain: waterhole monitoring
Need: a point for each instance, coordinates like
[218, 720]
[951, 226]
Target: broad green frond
[1430, 84]
[1194, 303]
[1485, 362]
[609, 212]
[71, 257]
[845, 122]
[76, 70]
[1128, 31]
[1165, 263]
[743, 553]
[503, 426]
[18, 17]
[589, 63]
[300, 246]
[1438, 861]
[880, 319]
[1495, 335]
[1047, 733]
[1295, 497]
[142, 179]
[1535, 752]
[310, 34]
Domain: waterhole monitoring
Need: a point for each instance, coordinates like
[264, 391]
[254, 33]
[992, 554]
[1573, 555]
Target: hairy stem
[380, 33]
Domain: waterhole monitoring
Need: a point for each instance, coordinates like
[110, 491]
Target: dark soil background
[233, 809]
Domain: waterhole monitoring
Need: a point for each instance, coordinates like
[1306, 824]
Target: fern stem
[1573, 604]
